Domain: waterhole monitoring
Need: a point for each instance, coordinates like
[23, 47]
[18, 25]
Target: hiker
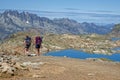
[38, 41]
[27, 42]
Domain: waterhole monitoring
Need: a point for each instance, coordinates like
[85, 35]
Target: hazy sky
[98, 11]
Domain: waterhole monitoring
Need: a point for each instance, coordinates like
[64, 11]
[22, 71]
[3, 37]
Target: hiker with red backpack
[38, 41]
[27, 42]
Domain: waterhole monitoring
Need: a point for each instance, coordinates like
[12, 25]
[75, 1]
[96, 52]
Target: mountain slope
[116, 31]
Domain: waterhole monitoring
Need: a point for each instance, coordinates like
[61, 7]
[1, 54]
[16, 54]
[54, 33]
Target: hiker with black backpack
[27, 42]
[38, 41]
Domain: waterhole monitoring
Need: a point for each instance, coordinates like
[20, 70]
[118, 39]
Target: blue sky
[97, 11]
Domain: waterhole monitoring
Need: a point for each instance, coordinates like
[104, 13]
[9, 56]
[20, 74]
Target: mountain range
[12, 21]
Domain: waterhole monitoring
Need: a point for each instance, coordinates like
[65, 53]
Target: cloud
[99, 16]
[71, 9]
[81, 16]
[104, 11]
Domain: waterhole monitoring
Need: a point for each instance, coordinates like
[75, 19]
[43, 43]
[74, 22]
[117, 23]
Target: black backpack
[28, 40]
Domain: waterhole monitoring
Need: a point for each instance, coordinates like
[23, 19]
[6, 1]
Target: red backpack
[38, 40]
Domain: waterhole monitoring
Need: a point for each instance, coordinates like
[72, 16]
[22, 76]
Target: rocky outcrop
[8, 65]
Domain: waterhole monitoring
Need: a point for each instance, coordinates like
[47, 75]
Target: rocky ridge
[89, 43]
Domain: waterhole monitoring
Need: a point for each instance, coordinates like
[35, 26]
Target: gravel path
[55, 68]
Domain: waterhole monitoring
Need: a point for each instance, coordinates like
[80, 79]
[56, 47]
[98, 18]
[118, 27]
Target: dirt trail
[54, 68]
